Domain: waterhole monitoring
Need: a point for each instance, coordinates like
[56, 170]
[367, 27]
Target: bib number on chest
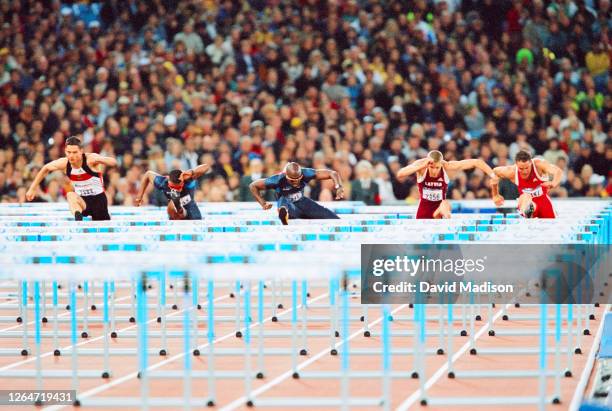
[432, 194]
[85, 192]
[185, 200]
[535, 192]
[294, 196]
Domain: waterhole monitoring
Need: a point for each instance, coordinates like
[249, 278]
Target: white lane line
[178, 356]
[416, 396]
[12, 327]
[240, 402]
[89, 340]
[588, 368]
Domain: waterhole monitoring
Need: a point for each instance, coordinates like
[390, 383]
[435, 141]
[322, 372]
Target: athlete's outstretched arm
[197, 172]
[59, 164]
[324, 174]
[148, 177]
[416, 166]
[549, 169]
[506, 172]
[255, 187]
[104, 160]
[469, 164]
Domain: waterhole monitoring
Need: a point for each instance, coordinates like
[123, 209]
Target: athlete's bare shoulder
[93, 160]
[505, 171]
[59, 164]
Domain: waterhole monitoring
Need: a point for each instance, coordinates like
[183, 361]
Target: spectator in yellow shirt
[598, 64]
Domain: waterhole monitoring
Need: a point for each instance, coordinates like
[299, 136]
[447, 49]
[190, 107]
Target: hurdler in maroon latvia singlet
[432, 191]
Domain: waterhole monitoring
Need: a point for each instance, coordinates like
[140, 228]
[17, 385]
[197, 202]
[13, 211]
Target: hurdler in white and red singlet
[89, 185]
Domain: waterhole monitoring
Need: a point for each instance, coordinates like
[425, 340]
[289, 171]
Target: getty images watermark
[467, 273]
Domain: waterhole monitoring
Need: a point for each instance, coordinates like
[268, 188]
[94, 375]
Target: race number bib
[294, 197]
[535, 192]
[85, 192]
[432, 194]
[185, 200]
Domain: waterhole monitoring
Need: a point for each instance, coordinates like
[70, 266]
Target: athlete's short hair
[293, 168]
[175, 176]
[436, 156]
[522, 156]
[74, 141]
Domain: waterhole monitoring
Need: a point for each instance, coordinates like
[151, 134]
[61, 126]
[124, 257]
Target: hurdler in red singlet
[527, 174]
[432, 178]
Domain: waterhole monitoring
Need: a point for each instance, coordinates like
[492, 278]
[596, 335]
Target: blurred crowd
[363, 87]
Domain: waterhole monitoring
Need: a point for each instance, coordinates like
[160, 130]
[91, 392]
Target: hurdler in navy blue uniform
[179, 188]
[289, 188]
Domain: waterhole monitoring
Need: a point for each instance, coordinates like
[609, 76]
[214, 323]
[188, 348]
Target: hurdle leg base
[295, 376]
[259, 375]
[93, 307]
[132, 319]
[77, 403]
[578, 350]
[303, 351]
[196, 352]
[478, 318]
[491, 333]
[556, 401]
[367, 334]
[424, 403]
[159, 320]
[334, 351]
[84, 334]
[68, 307]
[174, 307]
[45, 320]
[238, 334]
[414, 375]
[19, 320]
[451, 375]
[592, 317]
[105, 375]
[505, 317]
[249, 403]
[473, 351]
[517, 305]
[114, 334]
[440, 351]
[163, 352]
[463, 333]
[568, 373]
[210, 403]
[24, 352]
[280, 306]
[586, 331]
[56, 353]
[274, 319]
